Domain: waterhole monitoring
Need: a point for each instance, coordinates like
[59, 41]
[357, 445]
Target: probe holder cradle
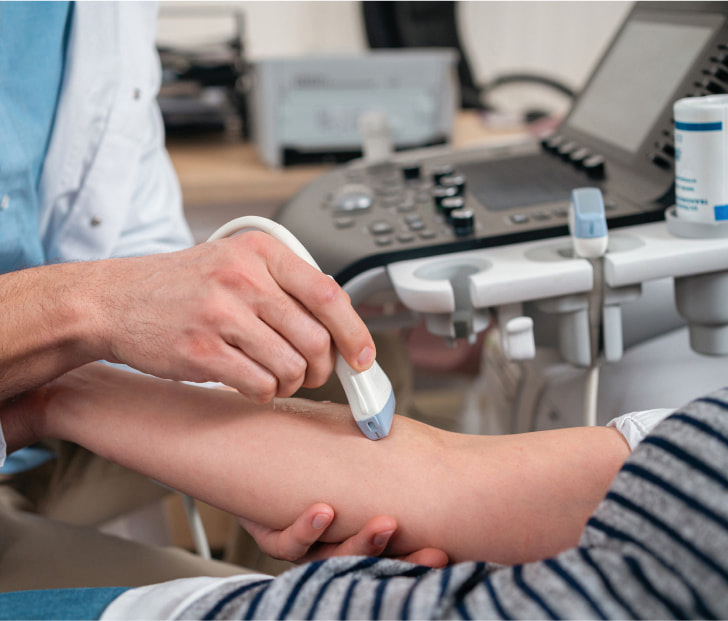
[574, 337]
[456, 292]
[695, 255]
[441, 291]
[702, 299]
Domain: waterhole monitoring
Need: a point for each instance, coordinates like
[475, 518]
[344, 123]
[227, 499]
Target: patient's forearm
[502, 498]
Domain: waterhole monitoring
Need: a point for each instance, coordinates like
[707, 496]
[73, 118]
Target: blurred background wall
[560, 39]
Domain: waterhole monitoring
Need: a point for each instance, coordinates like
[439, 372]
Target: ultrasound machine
[480, 237]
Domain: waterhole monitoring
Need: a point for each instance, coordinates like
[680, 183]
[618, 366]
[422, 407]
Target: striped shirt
[656, 547]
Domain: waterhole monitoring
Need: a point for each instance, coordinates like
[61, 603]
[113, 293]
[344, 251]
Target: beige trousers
[48, 534]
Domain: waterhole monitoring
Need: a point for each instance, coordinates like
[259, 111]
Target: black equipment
[617, 136]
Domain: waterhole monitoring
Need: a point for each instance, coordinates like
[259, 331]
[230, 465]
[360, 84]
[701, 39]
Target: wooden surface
[227, 172]
[219, 171]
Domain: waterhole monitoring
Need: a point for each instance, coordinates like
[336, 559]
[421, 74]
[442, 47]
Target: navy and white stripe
[656, 547]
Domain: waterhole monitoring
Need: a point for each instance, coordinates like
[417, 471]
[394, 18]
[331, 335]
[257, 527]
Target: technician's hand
[299, 542]
[244, 311]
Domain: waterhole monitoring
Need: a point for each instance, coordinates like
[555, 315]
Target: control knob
[450, 204]
[439, 172]
[454, 181]
[439, 193]
[463, 222]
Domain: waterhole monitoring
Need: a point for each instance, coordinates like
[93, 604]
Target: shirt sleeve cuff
[636, 425]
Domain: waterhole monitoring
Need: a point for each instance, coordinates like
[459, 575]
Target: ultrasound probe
[369, 392]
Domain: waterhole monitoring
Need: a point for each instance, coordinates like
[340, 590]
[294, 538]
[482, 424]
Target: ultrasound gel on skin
[701, 158]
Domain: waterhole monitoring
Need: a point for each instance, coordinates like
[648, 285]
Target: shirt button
[5, 202]
[95, 221]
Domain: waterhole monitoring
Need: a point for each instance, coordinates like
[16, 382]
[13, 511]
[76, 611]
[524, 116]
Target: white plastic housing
[370, 397]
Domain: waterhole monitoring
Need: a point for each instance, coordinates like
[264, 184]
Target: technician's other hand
[299, 542]
[244, 311]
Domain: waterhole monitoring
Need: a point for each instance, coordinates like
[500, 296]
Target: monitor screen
[643, 68]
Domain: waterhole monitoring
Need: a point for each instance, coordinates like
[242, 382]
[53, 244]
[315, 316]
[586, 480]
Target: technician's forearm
[47, 325]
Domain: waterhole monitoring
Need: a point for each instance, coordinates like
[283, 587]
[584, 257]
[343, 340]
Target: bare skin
[244, 311]
[505, 499]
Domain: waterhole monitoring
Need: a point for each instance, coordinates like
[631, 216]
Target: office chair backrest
[420, 24]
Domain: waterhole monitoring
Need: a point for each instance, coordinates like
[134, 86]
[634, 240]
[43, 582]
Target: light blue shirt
[33, 41]
[107, 187]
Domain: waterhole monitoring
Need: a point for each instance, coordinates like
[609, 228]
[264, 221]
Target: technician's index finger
[331, 305]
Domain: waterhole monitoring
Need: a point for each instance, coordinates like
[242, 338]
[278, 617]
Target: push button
[712, 86]
[594, 166]
[566, 149]
[660, 161]
[380, 227]
[441, 171]
[352, 198]
[719, 72]
[343, 223]
[551, 143]
[577, 157]
[668, 149]
[540, 216]
[411, 171]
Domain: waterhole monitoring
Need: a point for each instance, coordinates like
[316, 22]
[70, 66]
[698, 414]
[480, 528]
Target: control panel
[617, 137]
[361, 216]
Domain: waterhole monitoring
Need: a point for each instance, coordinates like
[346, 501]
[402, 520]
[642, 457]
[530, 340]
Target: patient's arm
[500, 498]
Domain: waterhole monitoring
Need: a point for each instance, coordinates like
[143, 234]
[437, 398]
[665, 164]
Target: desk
[223, 178]
[220, 171]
